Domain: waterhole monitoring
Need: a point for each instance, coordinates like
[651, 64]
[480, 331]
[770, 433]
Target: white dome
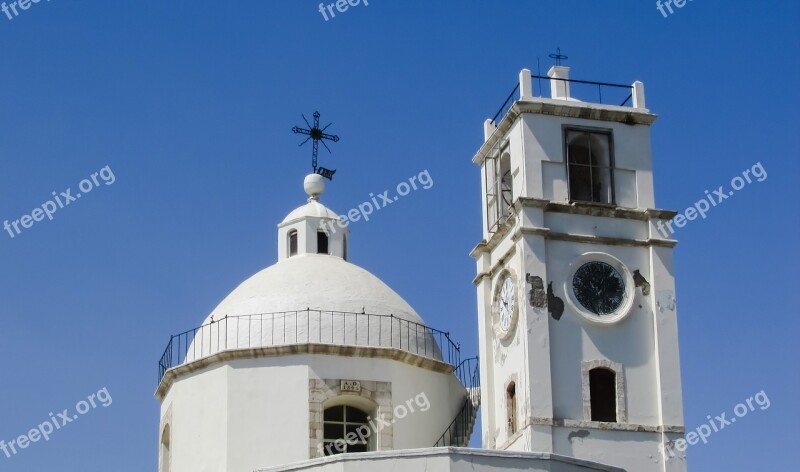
[313, 299]
[318, 282]
[313, 209]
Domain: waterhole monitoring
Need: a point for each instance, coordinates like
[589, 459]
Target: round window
[599, 288]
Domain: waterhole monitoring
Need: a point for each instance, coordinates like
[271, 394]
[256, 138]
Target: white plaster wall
[545, 171]
[629, 342]
[633, 451]
[247, 414]
[199, 405]
[267, 413]
[605, 227]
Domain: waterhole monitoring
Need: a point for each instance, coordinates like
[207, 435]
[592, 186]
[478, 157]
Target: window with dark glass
[338, 423]
[292, 242]
[603, 394]
[322, 242]
[590, 166]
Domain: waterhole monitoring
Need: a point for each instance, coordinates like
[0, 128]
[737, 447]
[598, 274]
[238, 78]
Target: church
[314, 364]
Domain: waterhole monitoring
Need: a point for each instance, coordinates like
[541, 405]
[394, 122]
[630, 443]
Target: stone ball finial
[314, 185]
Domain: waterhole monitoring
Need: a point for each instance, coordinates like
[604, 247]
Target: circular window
[599, 287]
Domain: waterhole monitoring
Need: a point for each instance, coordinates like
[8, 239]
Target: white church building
[314, 364]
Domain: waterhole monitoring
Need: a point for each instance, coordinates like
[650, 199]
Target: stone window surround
[619, 370]
[328, 392]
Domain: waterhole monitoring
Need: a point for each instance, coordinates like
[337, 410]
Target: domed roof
[315, 281]
[313, 299]
[312, 295]
[311, 209]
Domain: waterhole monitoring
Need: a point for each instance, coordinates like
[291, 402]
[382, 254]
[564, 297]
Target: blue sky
[191, 105]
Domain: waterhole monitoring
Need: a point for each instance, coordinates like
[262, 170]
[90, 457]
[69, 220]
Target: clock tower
[576, 291]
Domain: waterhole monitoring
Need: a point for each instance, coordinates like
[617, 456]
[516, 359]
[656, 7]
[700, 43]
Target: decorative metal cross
[558, 56]
[317, 135]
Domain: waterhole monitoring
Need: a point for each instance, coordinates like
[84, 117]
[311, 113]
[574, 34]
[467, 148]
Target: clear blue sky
[191, 105]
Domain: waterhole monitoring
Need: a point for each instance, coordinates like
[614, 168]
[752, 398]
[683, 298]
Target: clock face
[506, 302]
[599, 288]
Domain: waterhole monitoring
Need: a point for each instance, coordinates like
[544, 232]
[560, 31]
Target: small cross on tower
[317, 135]
[558, 56]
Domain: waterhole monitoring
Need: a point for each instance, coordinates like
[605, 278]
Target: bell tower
[576, 292]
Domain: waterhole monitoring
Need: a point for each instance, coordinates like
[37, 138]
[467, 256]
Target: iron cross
[317, 135]
[558, 56]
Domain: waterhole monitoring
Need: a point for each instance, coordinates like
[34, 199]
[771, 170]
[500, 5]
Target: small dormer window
[292, 243]
[322, 242]
[590, 166]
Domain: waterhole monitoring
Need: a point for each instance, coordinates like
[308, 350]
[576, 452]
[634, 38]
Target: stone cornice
[460, 454]
[567, 109]
[295, 349]
[592, 209]
[605, 211]
[630, 427]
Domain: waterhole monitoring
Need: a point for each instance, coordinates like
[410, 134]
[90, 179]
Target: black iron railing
[615, 94]
[505, 106]
[458, 432]
[308, 327]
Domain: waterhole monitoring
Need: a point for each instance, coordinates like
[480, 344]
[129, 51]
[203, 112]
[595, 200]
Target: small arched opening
[603, 394]
[165, 452]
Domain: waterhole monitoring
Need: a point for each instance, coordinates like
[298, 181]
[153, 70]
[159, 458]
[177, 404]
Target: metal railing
[458, 432]
[614, 93]
[308, 327]
[611, 98]
[505, 106]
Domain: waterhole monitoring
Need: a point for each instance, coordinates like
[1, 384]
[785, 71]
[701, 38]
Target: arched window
[344, 247]
[511, 407]
[346, 429]
[322, 242]
[165, 450]
[603, 394]
[292, 242]
[589, 166]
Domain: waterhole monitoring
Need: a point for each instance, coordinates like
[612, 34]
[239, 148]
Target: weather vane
[317, 135]
[558, 56]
